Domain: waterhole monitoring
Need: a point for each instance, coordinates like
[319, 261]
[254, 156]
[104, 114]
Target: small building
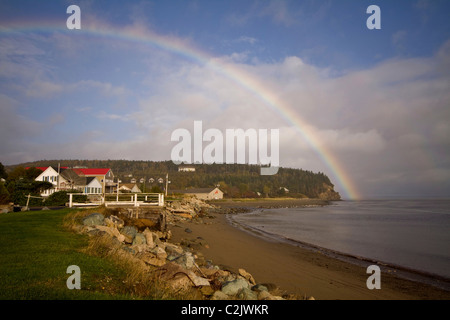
[284, 189]
[203, 193]
[129, 188]
[186, 169]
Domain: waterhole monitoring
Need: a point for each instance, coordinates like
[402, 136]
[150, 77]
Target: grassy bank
[36, 249]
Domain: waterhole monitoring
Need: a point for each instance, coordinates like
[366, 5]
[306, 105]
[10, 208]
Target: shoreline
[304, 271]
[406, 273]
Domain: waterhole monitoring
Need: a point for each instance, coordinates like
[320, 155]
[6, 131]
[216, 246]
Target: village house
[51, 175]
[104, 175]
[129, 188]
[186, 169]
[89, 181]
[202, 193]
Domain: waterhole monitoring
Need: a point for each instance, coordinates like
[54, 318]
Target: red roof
[92, 171]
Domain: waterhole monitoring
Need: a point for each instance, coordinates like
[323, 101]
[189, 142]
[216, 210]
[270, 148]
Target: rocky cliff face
[329, 194]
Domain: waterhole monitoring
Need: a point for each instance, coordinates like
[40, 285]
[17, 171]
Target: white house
[51, 175]
[129, 187]
[203, 193]
[93, 186]
[186, 169]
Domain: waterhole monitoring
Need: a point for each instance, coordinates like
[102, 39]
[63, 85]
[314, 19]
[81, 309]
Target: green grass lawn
[35, 251]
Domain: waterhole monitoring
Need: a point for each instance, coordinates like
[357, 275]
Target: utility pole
[57, 178]
[167, 182]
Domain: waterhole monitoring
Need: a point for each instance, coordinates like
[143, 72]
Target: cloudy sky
[370, 108]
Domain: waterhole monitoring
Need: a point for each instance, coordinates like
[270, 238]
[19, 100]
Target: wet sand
[294, 269]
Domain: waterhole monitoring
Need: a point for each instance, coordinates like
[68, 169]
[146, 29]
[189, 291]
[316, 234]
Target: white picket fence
[123, 199]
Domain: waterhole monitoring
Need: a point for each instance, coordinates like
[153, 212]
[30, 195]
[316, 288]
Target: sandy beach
[293, 269]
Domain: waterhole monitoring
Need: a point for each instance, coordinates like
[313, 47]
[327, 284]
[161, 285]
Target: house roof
[128, 185]
[91, 171]
[89, 180]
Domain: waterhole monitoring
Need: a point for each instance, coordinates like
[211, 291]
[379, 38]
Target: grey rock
[129, 232]
[139, 239]
[173, 249]
[232, 288]
[186, 260]
[247, 294]
[94, 219]
[149, 238]
[259, 287]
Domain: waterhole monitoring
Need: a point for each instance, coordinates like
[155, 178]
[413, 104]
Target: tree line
[235, 180]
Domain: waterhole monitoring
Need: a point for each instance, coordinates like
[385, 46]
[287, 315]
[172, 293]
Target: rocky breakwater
[178, 265]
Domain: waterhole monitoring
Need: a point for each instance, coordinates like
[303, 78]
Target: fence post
[70, 200]
[28, 202]
[135, 200]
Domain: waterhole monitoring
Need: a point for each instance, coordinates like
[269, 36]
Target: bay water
[414, 234]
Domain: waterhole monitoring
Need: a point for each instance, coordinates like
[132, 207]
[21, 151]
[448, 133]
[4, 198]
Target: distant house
[203, 193]
[129, 187]
[186, 169]
[133, 180]
[286, 190]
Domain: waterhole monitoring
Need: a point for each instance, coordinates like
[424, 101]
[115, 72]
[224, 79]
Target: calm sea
[410, 233]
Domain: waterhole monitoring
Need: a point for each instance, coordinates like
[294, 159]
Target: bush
[60, 198]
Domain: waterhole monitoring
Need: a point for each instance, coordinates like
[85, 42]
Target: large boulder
[94, 219]
[173, 249]
[148, 238]
[186, 260]
[113, 232]
[129, 232]
[232, 288]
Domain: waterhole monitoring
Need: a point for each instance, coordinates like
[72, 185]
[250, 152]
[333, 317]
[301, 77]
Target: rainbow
[235, 74]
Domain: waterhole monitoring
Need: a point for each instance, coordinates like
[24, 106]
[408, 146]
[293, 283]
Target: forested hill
[236, 180]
